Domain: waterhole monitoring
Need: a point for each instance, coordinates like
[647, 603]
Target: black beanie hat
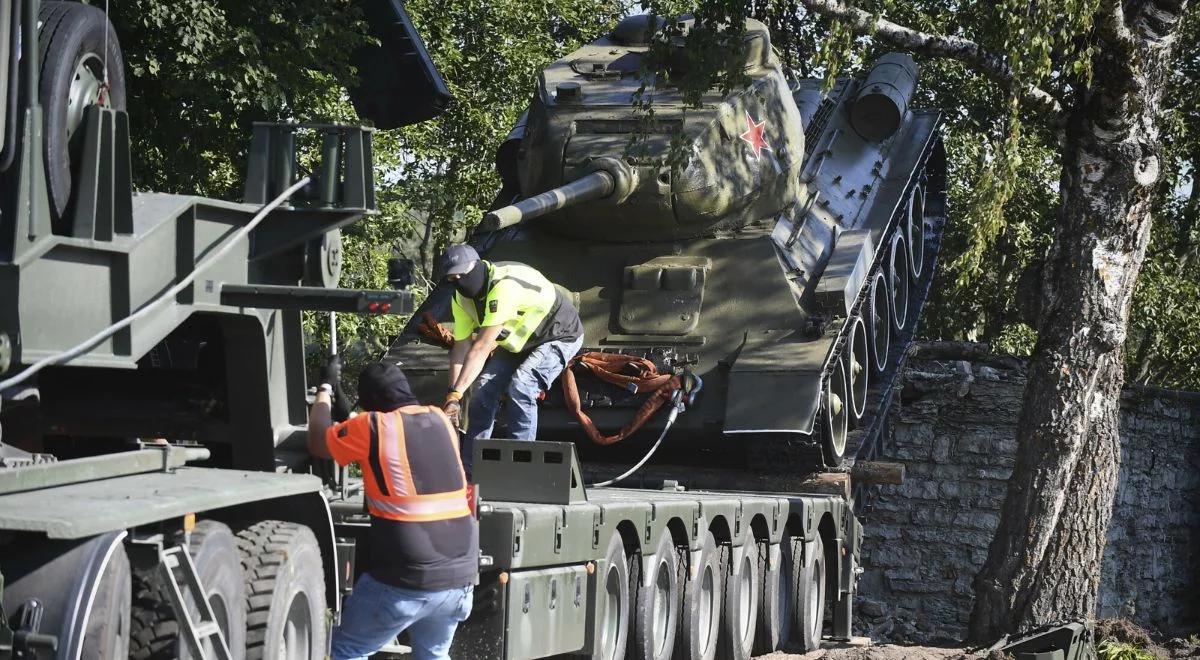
[383, 387]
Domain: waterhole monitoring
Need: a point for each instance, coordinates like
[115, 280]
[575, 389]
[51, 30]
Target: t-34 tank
[783, 259]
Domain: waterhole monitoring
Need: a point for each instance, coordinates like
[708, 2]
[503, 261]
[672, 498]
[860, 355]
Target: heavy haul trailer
[612, 572]
[152, 376]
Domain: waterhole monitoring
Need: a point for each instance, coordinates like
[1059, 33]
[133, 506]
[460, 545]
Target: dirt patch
[881, 652]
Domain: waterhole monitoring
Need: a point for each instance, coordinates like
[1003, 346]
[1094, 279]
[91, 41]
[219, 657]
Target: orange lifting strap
[610, 368]
[435, 332]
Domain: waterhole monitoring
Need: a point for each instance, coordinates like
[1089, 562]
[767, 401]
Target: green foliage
[199, 72]
[1110, 650]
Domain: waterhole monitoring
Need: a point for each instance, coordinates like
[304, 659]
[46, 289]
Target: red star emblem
[754, 135]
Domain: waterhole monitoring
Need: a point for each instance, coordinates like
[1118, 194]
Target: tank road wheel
[898, 282]
[880, 323]
[743, 585]
[835, 416]
[856, 369]
[613, 630]
[285, 591]
[107, 634]
[702, 595]
[214, 552]
[809, 568]
[916, 231]
[72, 40]
[775, 607]
[658, 605]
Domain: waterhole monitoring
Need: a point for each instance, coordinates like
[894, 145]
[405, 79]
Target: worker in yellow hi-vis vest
[513, 308]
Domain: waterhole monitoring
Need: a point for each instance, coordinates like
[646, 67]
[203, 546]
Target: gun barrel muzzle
[596, 185]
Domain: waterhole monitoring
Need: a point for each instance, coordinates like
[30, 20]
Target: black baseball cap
[458, 260]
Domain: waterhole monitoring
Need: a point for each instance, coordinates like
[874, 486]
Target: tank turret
[774, 243]
[743, 150]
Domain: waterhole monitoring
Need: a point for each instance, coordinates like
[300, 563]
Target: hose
[90, 343]
[653, 448]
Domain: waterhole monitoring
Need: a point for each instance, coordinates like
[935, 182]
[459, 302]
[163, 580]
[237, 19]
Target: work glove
[453, 408]
[331, 373]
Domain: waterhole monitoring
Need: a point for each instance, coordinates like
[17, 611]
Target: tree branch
[964, 50]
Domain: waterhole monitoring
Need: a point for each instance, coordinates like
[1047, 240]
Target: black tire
[809, 601]
[107, 634]
[740, 613]
[612, 632]
[156, 631]
[285, 590]
[657, 606]
[700, 619]
[72, 41]
[775, 603]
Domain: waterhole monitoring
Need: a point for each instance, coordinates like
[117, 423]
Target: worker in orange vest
[424, 541]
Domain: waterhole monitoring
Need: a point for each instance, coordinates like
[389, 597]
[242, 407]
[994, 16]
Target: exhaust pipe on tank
[883, 98]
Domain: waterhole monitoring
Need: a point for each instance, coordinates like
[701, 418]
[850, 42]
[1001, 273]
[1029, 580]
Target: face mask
[473, 282]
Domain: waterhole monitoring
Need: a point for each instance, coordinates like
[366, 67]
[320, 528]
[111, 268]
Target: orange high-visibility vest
[392, 492]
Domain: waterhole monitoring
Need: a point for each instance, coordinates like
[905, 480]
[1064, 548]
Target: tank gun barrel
[596, 185]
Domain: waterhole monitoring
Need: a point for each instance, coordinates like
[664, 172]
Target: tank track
[789, 454]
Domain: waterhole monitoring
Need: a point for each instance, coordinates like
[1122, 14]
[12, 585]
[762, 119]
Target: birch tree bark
[1044, 562]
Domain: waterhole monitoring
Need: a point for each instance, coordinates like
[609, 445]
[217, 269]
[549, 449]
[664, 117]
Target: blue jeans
[375, 613]
[522, 377]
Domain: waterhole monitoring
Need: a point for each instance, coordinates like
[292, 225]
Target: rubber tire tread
[272, 549]
[615, 556]
[666, 558]
[689, 647]
[155, 629]
[113, 595]
[68, 29]
[809, 565]
[735, 644]
[774, 624]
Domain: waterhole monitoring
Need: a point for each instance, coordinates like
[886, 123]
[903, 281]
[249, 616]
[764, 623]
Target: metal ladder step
[194, 633]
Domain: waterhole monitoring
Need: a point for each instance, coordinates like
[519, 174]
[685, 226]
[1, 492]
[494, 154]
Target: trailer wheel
[775, 607]
[810, 594]
[214, 552]
[740, 614]
[658, 605]
[107, 634]
[72, 40]
[702, 595]
[285, 590]
[613, 632]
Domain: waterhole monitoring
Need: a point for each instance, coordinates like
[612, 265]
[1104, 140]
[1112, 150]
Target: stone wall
[953, 427]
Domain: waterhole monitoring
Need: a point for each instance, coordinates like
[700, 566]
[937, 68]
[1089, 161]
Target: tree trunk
[1044, 562]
